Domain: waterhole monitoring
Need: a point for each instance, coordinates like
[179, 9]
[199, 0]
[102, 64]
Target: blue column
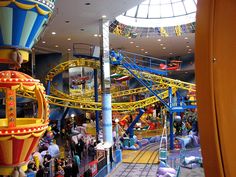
[171, 120]
[178, 98]
[170, 96]
[178, 101]
[107, 118]
[130, 129]
[48, 88]
[96, 100]
[171, 132]
[105, 82]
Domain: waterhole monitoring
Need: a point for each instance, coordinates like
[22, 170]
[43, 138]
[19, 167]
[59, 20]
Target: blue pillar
[105, 82]
[130, 129]
[171, 120]
[170, 96]
[107, 118]
[178, 101]
[178, 98]
[171, 132]
[96, 100]
[48, 88]
[62, 121]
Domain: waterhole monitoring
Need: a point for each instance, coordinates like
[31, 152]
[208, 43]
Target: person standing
[46, 163]
[80, 147]
[75, 169]
[40, 171]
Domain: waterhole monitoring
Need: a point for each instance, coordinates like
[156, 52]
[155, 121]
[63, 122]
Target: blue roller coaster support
[130, 130]
[171, 120]
[48, 88]
[62, 121]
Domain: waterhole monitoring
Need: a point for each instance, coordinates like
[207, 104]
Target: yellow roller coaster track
[160, 79]
[128, 106]
[89, 95]
[82, 62]
[76, 62]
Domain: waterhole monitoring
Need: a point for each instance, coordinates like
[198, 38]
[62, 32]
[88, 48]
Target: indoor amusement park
[138, 88]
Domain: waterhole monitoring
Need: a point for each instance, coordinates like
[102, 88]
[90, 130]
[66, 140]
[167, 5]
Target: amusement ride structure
[19, 31]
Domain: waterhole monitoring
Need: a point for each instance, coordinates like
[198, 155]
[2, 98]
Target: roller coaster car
[79, 81]
[172, 66]
[123, 78]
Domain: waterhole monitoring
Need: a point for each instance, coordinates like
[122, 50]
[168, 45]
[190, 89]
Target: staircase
[130, 65]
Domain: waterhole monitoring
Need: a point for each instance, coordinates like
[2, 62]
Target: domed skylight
[160, 13]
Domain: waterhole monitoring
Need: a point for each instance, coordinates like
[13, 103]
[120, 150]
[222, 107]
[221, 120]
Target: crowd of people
[45, 162]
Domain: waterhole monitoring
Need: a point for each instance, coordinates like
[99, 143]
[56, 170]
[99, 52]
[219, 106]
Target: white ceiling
[87, 18]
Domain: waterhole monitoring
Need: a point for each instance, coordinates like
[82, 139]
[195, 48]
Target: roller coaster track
[66, 100]
[79, 62]
[76, 62]
[88, 96]
[164, 82]
[84, 105]
[160, 79]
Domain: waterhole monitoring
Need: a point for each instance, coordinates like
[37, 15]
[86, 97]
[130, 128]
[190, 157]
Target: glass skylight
[160, 13]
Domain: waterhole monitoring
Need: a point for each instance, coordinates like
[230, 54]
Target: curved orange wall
[216, 85]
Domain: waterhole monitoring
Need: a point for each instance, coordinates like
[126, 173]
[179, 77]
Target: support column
[171, 120]
[105, 82]
[48, 88]
[95, 73]
[171, 131]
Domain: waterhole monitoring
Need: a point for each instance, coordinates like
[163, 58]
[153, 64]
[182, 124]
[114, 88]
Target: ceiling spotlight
[189, 52]
[95, 35]
[81, 29]
[67, 21]
[87, 3]
[171, 53]
[186, 38]
[187, 46]
[56, 46]
[104, 16]
[131, 42]
[189, 49]
[163, 48]
[146, 52]
[129, 37]
[69, 39]
[69, 49]
[137, 46]
[53, 33]
[99, 35]
[43, 42]
[161, 44]
[159, 40]
[142, 49]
